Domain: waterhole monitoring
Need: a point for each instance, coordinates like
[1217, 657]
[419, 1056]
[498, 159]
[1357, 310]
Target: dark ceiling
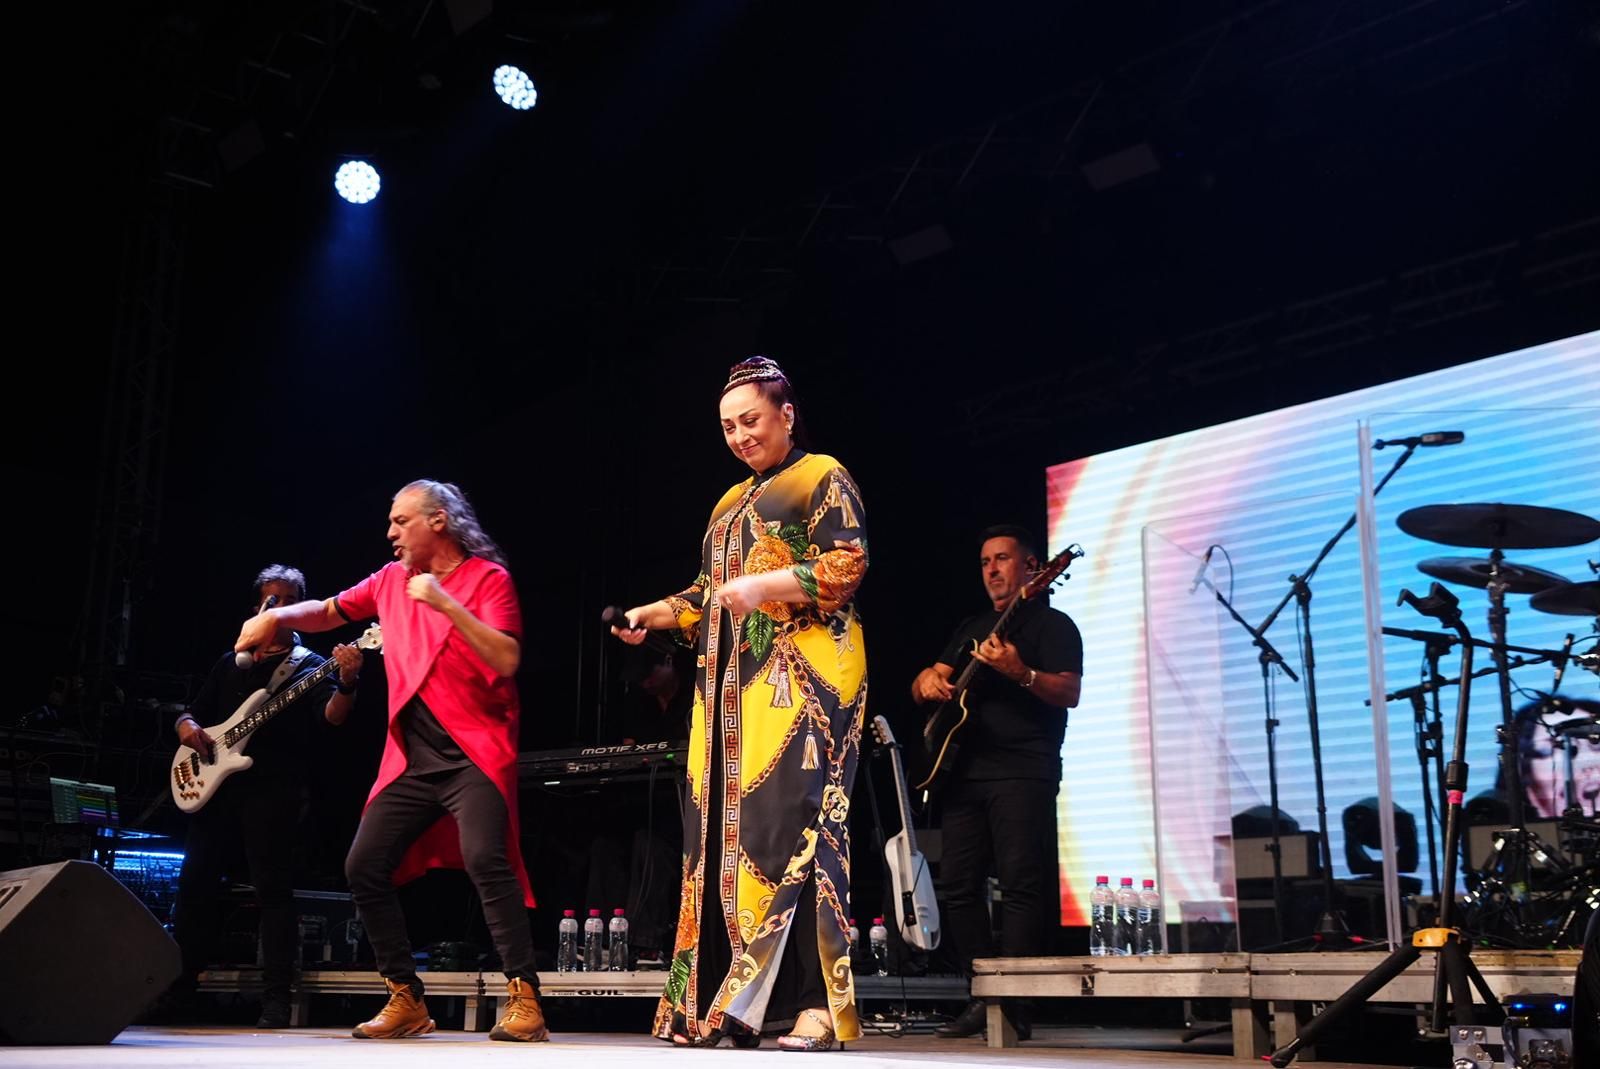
[983, 238]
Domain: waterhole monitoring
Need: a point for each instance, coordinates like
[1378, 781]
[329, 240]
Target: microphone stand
[1331, 928]
[1267, 656]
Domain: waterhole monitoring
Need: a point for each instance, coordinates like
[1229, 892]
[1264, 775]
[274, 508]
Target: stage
[314, 1047]
[1265, 997]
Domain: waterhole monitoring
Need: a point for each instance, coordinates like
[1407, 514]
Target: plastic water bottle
[1102, 918]
[1149, 915]
[617, 941]
[855, 934]
[1127, 917]
[594, 938]
[878, 937]
[567, 942]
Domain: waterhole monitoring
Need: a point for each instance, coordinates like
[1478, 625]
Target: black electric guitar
[917, 914]
[195, 780]
[944, 727]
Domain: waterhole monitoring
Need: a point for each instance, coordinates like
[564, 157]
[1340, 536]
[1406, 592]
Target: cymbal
[1499, 526]
[1474, 571]
[1569, 599]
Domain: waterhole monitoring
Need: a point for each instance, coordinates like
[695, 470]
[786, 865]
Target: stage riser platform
[482, 991]
[1269, 995]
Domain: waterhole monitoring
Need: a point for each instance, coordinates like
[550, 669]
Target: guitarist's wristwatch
[1027, 684]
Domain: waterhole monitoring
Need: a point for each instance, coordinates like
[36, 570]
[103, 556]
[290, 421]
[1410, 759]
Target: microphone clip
[1439, 604]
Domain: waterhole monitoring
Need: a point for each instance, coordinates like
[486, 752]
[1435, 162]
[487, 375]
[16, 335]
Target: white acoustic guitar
[916, 912]
[195, 780]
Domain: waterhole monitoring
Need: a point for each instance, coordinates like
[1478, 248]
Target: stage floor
[238, 1048]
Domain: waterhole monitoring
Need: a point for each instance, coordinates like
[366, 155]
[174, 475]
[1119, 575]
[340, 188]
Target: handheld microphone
[1432, 438]
[1200, 572]
[247, 658]
[614, 616]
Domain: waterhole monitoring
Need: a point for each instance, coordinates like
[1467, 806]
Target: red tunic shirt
[424, 655]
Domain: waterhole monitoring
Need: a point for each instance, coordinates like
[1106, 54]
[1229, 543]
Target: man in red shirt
[446, 792]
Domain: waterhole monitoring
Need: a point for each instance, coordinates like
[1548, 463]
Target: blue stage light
[357, 181]
[515, 87]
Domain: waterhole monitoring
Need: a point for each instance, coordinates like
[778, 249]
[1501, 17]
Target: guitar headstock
[1054, 570]
[371, 638]
[881, 732]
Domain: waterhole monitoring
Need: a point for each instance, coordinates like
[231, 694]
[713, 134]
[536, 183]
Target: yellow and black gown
[774, 737]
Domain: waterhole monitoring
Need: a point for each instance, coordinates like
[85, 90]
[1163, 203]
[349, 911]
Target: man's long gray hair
[461, 522]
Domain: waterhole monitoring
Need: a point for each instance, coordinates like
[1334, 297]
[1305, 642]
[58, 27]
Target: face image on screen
[1169, 740]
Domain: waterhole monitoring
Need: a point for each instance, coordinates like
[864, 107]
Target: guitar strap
[285, 671]
[280, 675]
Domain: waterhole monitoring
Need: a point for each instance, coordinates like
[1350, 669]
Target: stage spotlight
[357, 181]
[1362, 833]
[515, 87]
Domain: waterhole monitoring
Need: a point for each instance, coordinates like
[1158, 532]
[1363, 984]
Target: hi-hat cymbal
[1474, 571]
[1497, 526]
[1569, 599]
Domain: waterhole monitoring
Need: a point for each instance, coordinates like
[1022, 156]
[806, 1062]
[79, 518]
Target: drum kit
[1527, 891]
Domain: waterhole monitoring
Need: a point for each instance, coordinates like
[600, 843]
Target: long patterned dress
[779, 702]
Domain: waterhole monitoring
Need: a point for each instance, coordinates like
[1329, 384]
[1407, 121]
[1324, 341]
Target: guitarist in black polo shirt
[257, 811]
[998, 794]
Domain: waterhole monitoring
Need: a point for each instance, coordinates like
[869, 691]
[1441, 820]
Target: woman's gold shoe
[824, 1041]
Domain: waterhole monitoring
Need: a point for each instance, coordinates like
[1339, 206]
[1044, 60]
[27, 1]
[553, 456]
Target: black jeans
[396, 818]
[261, 816]
[1007, 827]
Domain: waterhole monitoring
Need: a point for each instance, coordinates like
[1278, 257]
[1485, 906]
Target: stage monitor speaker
[82, 957]
[1252, 858]
[1481, 837]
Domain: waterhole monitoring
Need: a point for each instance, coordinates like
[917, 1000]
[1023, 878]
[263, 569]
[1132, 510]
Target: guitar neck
[964, 680]
[279, 702]
[900, 796]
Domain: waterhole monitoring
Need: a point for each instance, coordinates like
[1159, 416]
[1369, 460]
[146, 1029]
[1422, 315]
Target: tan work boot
[403, 1015]
[523, 1021]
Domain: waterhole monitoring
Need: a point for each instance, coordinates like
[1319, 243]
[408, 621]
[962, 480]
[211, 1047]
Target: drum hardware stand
[1454, 972]
[1428, 729]
[1430, 735]
[1510, 864]
[1499, 888]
